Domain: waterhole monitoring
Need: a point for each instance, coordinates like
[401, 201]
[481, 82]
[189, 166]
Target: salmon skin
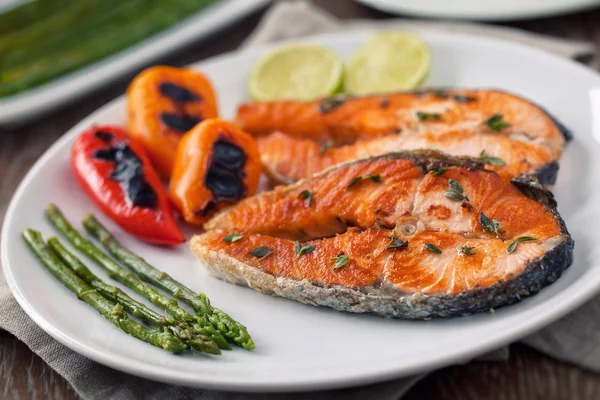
[413, 234]
[287, 159]
[343, 120]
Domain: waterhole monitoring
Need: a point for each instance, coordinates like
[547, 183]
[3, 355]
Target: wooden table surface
[527, 375]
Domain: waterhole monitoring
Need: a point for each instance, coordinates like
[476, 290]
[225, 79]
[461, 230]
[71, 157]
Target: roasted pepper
[217, 164]
[163, 103]
[117, 174]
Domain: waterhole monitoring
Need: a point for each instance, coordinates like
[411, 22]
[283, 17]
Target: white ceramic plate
[300, 347]
[490, 10]
[53, 94]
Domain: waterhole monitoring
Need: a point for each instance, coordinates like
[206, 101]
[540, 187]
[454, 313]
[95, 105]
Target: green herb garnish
[340, 261]
[374, 177]
[463, 98]
[437, 170]
[441, 94]
[455, 191]
[306, 194]
[261, 251]
[491, 160]
[466, 250]
[396, 243]
[432, 248]
[495, 123]
[300, 250]
[234, 237]
[331, 103]
[423, 116]
[490, 225]
[354, 181]
[326, 146]
[513, 246]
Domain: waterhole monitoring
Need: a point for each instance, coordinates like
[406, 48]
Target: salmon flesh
[513, 135]
[411, 235]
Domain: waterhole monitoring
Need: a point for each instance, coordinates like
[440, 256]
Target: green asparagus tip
[204, 346]
[31, 235]
[248, 345]
[171, 343]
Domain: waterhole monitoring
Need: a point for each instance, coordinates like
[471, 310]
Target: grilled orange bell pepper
[163, 103]
[217, 164]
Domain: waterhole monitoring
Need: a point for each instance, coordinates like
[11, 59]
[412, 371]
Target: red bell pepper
[116, 173]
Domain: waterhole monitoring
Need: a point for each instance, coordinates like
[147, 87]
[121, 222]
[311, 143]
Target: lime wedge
[296, 72]
[391, 60]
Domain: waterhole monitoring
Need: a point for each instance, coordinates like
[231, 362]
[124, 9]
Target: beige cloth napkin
[575, 339]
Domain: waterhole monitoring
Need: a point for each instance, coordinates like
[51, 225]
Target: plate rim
[399, 9]
[137, 368]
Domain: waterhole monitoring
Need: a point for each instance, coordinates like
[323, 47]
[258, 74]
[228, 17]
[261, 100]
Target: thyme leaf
[463, 98]
[491, 160]
[300, 250]
[306, 194]
[455, 191]
[513, 246]
[466, 250]
[495, 123]
[354, 181]
[374, 177]
[396, 243]
[432, 248]
[490, 225]
[261, 251]
[441, 94]
[326, 146]
[331, 103]
[424, 116]
[340, 261]
[437, 170]
[234, 237]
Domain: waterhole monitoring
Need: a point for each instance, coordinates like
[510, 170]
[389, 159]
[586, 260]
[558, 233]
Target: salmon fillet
[343, 120]
[408, 235]
[287, 159]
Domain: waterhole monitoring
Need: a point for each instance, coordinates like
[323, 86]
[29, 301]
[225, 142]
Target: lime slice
[391, 60]
[296, 72]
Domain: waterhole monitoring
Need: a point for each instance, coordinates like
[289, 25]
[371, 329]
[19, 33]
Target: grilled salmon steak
[408, 235]
[343, 120]
[504, 126]
[288, 159]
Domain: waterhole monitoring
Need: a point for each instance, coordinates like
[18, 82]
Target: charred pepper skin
[217, 165]
[117, 175]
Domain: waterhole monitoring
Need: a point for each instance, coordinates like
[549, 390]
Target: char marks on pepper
[224, 177]
[130, 174]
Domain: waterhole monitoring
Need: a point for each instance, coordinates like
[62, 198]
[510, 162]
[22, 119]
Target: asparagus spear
[201, 325]
[230, 328]
[108, 309]
[180, 329]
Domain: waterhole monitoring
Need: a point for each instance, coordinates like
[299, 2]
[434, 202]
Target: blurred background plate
[489, 10]
[42, 99]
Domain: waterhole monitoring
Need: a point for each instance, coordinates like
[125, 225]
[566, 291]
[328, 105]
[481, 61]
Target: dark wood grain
[527, 375]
